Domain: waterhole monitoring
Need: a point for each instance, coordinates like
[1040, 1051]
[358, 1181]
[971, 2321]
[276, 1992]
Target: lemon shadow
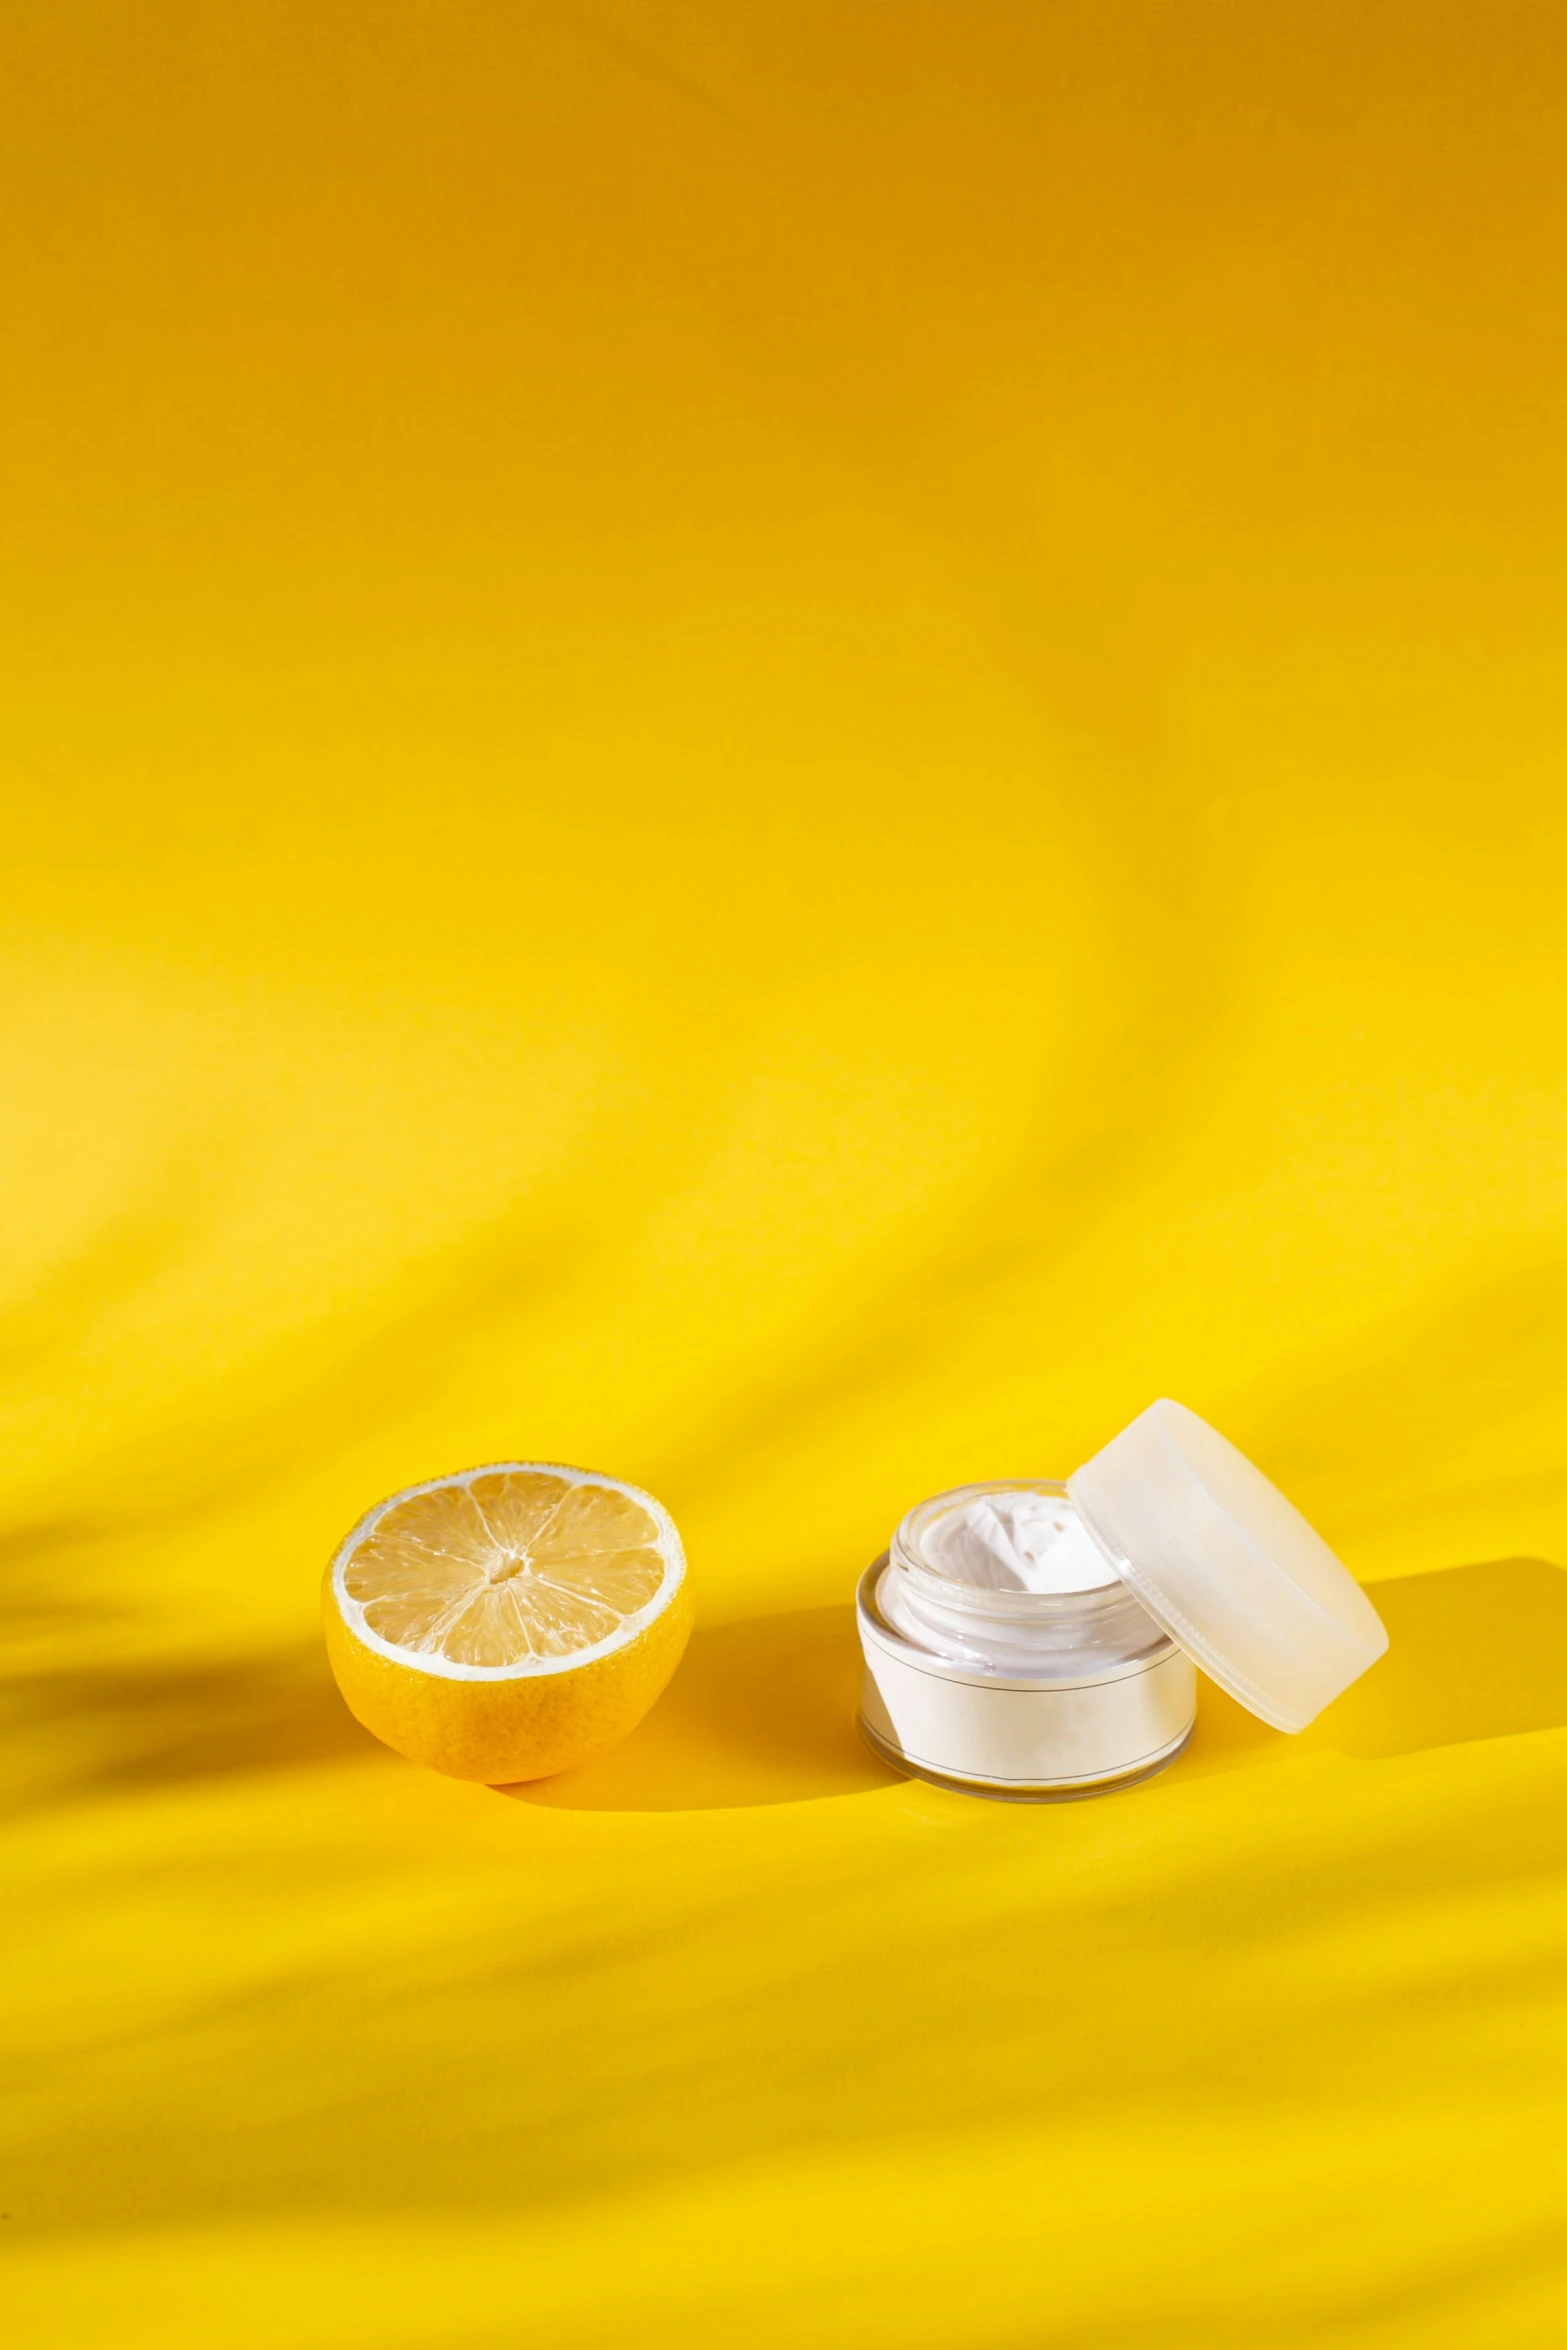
[1474, 1652]
[758, 1712]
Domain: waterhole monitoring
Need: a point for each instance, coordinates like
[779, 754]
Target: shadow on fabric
[759, 1712]
[1474, 1652]
[107, 1730]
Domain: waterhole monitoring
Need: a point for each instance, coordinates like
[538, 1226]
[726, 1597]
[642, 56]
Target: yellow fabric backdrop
[787, 747]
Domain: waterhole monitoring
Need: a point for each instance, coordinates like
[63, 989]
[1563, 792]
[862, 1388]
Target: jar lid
[1227, 1566]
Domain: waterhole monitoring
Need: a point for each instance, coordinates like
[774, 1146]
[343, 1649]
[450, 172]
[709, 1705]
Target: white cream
[1016, 1541]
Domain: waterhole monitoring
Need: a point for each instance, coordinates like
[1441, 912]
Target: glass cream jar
[1030, 1639]
[976, 1679]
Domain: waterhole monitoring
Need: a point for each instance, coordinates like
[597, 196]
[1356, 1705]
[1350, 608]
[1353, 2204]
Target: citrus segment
[507, 1622]
[516, 1564]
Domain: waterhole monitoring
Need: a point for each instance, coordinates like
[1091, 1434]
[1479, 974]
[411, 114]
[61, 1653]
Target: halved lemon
[507, 1622]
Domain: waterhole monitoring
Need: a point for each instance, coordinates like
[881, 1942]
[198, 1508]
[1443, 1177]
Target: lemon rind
[529, 1668]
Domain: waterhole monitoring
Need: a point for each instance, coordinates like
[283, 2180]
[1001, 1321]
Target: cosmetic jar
[1031, 1639]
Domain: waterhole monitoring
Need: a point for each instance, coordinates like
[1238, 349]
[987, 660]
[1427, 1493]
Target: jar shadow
[758, 1712]
[763, 1712]
[1474, 1652]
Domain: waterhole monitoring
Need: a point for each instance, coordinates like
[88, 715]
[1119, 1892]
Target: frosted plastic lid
[1229, 1568]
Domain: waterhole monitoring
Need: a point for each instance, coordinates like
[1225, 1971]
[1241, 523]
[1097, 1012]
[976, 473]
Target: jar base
[1065, 1791]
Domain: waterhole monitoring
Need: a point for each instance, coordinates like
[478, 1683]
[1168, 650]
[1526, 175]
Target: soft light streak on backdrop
[788, 748]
